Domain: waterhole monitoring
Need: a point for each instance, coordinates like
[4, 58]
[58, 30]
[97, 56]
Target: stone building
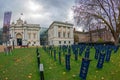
[94, 35]
[60, 33]
[22, 33]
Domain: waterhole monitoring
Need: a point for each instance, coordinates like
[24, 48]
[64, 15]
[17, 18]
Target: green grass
[22, 65]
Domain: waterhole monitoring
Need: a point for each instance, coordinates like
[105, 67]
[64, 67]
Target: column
[61, 32]
[14, 36]
[26, 36]
[23, 39]
[66, 32]
[38, 37]
[71, 32]
[55, 29]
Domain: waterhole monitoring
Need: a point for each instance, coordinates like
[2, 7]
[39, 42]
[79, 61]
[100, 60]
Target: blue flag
[84, 68]
[67, 61]
[97, 52]
[76, 54]
[87, 52]
[101, 60]
[108, 55]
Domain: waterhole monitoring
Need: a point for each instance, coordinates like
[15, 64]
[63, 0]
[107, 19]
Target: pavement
[2, 48]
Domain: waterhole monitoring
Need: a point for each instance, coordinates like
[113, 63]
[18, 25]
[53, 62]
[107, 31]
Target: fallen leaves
[6, 78]
[73, 75]
[64, 73]
[102, 78]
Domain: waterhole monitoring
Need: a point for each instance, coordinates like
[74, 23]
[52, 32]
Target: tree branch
[113, 11]
[101, 5]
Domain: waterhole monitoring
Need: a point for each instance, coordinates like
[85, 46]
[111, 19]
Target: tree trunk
[115, 36]
[116, 42]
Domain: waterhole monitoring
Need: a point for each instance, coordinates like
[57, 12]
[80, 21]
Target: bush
[100, 40]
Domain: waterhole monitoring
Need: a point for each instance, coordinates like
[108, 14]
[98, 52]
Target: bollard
[38, 60]
[54, 55]
[59, 57]
[41, 72]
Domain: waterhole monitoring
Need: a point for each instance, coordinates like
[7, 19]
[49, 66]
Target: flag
[67, 61]
[101, 60]
[87, 53]
[97, 53]
[108, 55]
[84, 68]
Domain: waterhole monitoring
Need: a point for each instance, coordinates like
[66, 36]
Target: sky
[42, 12]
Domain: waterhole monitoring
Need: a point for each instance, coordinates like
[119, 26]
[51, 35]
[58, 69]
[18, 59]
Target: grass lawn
[22, 65]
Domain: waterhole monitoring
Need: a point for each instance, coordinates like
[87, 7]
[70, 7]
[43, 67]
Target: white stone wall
[53, 38]
[24, 30]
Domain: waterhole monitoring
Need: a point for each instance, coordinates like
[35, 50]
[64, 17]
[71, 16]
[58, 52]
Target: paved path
[1, 48]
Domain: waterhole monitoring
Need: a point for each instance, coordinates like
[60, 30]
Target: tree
[105, 12]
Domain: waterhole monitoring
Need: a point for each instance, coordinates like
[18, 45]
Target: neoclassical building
[60, 33]
[22, 33]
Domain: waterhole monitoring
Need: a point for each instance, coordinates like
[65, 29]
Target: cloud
[42, 12]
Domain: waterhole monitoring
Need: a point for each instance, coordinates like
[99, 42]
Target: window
[59, 34]
[69, 42]
[64, 34]
[29, 42]
[68, 35]
[29, 35]
[59, 42]
[59, 26]
[34, 35]
[64, 42]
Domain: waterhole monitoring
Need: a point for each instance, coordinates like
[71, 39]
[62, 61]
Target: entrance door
[19, 42]
[19, 39]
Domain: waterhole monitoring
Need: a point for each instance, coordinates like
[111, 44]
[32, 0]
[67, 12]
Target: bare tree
[106, 12]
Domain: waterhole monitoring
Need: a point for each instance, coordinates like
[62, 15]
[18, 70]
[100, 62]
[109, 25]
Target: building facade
[24, 34]
[94, 36]
[60, 33]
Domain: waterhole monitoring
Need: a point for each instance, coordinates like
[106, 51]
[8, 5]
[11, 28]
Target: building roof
[20, 23]
[92, 31]
[59, 22]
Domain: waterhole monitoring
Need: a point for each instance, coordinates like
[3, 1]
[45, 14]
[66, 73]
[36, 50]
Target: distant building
[23, 33]
[1, 36]
[43, 36]
[94, 36]
[60, 33]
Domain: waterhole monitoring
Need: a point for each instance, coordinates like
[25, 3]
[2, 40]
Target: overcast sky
[42, 12]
